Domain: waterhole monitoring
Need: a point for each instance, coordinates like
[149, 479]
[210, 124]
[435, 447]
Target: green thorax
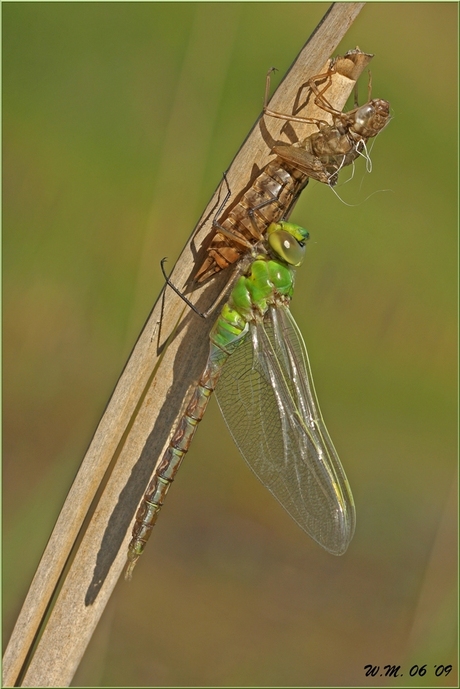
[268, 281]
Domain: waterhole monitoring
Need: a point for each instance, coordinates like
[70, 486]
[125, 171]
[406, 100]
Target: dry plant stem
[142, 411]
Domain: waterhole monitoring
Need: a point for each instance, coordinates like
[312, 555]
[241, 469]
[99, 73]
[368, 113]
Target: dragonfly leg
[210, 309]
[355, 96]
[179, 293]
[251, 214]
[320, 100]
[293, 118]
[267, 86]
[225, 201]
[223, 230]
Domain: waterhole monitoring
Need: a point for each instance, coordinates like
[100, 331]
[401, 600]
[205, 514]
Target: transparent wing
[267, 397]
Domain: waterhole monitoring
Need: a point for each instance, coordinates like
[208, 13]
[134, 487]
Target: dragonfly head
[371, 118]
[288, 241]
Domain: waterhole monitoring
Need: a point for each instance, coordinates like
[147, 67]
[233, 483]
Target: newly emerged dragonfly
[275, 190]
[259, 363]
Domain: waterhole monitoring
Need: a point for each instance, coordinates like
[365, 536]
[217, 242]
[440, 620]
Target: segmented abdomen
[270, 199]
[172, 458]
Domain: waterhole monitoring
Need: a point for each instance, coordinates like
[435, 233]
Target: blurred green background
[119, 120]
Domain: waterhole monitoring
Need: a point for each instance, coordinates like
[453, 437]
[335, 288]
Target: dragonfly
[258, 365]
[274, 192]
[335, 145]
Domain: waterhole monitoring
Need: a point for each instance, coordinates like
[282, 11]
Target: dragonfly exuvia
[259, 366]
[274, 192]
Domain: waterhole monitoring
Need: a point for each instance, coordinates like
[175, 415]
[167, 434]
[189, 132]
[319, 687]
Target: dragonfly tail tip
[129, 568]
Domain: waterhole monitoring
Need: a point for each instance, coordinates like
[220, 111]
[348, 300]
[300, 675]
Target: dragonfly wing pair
[267, 397]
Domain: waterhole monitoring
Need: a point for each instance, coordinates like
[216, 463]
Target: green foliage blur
[119, 119]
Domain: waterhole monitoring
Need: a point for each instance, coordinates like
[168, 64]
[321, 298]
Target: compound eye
[363, 117]
[287, 247]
